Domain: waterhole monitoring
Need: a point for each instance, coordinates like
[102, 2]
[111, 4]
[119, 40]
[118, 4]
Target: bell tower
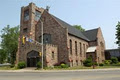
[30, 16]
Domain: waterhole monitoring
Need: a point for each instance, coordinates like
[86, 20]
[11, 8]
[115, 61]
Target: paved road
[72, 75]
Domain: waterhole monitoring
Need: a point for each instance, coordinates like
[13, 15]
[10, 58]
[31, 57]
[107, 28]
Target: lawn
[7, 68]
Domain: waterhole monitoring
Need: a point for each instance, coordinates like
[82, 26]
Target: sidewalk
[79, 70]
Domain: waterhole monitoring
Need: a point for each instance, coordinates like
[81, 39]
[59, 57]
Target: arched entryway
[32, 58]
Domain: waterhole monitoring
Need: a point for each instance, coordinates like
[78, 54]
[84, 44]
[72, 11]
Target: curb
[80, 70]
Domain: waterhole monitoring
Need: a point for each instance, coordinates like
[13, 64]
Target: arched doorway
[32, 58]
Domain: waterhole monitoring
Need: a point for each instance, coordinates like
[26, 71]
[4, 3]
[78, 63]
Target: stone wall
[51, 55]
[80, 57]
[57, 32]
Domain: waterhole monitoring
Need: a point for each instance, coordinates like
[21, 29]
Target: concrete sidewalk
[78, 70]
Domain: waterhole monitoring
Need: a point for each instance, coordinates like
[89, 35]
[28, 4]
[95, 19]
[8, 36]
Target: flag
[40, 53]
[27, 39]
[23, 39]
[30, 40]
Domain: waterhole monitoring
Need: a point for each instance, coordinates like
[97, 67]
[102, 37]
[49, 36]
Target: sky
[89, 14]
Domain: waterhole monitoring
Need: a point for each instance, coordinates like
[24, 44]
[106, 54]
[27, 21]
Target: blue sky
[88, 13]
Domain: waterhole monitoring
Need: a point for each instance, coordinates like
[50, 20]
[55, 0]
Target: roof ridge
[91, 29]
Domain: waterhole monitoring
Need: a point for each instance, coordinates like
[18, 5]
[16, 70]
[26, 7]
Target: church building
[62, 43]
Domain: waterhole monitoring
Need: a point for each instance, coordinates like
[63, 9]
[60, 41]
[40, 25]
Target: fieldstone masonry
[56, 40]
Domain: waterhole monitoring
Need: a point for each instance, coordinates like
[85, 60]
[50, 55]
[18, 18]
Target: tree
[10, 41]
[79, 28]
[2, 56]
[118, 34]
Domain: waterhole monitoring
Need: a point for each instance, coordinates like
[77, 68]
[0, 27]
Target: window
[84, 50]
[26, 15]
[46, 38]
[37, 15]
[77, 62]
[25, 30]
[76, 48]
[52, 55]
[71, 47]
[80, 50]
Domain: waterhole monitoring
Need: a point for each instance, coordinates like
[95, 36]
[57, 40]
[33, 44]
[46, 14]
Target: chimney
[47, 8]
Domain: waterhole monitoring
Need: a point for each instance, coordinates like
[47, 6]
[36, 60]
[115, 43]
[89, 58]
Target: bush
[88, 62]
[57, 66]
[21, 65]
[64, 65]
[101, 64]
[114, 60]
[96, 64]
[107, 62]
[39, 65]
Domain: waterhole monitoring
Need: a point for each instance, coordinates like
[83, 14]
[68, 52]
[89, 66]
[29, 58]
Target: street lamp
[41, 36]
[42, 40]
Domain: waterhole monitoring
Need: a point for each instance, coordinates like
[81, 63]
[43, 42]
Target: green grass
[7, 68]
[81, 67]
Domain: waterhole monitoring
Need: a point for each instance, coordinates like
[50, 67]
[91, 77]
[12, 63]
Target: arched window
[84, 50]
[80, 49]
[102, 48]
[70, 46]
[52, 54]
[76, 48]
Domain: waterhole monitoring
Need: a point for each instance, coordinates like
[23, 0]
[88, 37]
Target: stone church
[62, 43]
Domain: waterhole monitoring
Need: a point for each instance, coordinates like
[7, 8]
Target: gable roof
[91, 34]
[71, 29]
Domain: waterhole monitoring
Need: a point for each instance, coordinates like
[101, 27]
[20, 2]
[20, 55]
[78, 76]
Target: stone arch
[32, 58]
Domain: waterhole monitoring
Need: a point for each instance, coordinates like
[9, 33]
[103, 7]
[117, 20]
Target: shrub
[114, 60]
[21, 65]
[88, 62]
[64, 65]
[101, 64]
[107, 62]
[57, 66]
[96, 64]
[39, 65]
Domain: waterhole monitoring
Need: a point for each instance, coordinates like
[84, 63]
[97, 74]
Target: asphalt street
[65, 75]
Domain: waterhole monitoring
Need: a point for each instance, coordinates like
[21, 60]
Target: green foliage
[88, 62]
[101, 64]
[2, 56]
[114, 60]
[96, 64]
[64, 65]
[107, 62]
[79, 28]
[57, 67]
[9, 42]
[39, 65]
[118, 34]
[21, 65]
